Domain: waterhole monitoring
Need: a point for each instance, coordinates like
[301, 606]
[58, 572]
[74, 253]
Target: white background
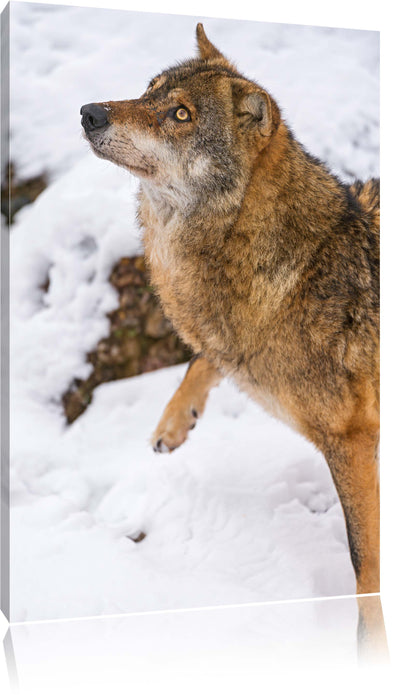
[388, 20]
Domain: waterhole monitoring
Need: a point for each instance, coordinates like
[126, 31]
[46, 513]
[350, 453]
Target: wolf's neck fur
[292, 201]
[194, 206]
[257, 208]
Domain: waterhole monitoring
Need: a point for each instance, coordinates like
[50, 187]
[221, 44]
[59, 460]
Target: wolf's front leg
[186, 405]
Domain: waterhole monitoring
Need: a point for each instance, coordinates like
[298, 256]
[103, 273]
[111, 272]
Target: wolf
[266, 264]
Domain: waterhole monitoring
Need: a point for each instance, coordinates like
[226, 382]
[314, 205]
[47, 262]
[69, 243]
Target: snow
[246, 510]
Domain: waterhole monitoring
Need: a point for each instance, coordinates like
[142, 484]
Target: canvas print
[193, 209]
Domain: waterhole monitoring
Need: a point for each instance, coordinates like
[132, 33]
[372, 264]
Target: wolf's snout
[93, 117]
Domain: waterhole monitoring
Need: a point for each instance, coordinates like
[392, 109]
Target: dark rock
[15, 194]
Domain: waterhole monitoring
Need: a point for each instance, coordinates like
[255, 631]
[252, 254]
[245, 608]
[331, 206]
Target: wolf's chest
[194, 308]
[194, 298]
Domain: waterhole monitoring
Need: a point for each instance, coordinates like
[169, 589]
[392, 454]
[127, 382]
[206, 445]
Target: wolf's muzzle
[93, 117]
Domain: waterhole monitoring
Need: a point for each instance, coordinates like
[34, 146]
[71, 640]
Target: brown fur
[186, 405]
[266, 264]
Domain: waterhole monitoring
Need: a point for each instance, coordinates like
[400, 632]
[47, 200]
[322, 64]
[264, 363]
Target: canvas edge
[5, 336]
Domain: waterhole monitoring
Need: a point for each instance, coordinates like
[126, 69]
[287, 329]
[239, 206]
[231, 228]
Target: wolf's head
[196, 130]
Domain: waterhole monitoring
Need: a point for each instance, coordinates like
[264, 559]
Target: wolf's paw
[173, 429]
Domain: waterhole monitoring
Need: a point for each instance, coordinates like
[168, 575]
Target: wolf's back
[368, 195]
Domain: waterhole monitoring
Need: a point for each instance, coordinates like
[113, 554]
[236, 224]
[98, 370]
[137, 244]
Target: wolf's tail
[368, 196]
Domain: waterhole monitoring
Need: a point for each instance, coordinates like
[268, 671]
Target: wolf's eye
[182, 115]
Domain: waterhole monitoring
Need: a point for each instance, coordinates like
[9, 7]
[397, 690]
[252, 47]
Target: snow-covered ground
[246, 510]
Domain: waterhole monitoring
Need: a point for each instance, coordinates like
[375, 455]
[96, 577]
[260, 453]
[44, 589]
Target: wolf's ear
[255, 109]
[206, 48]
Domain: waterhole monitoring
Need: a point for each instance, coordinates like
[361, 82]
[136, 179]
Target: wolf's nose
[93, 117]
